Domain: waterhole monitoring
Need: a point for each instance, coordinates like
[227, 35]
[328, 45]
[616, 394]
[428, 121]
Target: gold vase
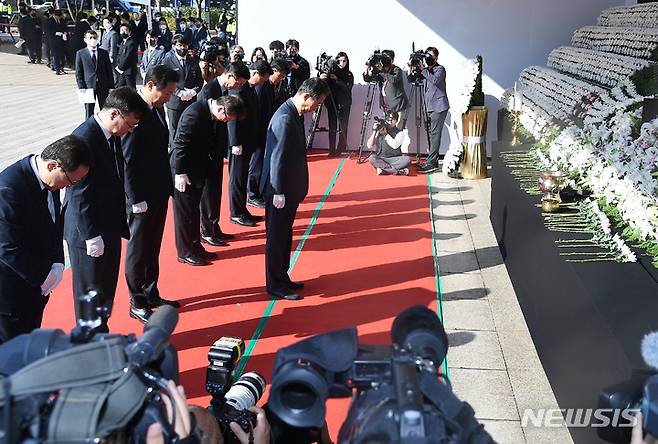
[474, 122]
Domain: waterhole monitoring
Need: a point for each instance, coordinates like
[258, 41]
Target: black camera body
[326, 64]
[417, 59]
[380, 123]
[231, 398]
[211, 49]
[373, 71]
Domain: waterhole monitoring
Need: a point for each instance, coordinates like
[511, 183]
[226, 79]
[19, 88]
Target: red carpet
[368, 256]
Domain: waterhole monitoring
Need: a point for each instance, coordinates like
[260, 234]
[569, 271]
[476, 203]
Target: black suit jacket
[148, 174]
[285, 170]
[100, 77]
[199, 140]
[189, 77]
[127, 57]
[96, 206]
[214, 90]
[246, 129]
[78, 36]
[30, 242]
[266, 97]
[27, 29]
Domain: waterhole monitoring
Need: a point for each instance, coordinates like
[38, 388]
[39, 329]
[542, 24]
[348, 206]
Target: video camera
[231, 399]
[211, 49]
[396, 392]
[87, 387]
[326, 64]
[373, 72]
[417, 60]
[639, 394]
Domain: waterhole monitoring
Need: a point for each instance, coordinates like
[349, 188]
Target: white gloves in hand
[186, 94]
[140, 207]
[181, 182]
[118, 70]
[236, 150]
[53, 279]
[95, 246]
[279, 201]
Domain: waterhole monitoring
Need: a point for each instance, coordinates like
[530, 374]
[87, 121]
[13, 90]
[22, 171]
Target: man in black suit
[190, 81]
[248, 137]
[200, 32]
[126, 64]
[153, 55]
[93, 70]
[31, 244]
[284, 183]
[198, 140]
[95, 208]
[300, 70]
[81, 27]
[148, 187]
[138, 28]
[270, 97]
[232, 79]
[57, 35]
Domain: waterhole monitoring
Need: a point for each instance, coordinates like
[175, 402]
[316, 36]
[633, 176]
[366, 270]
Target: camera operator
[436, 102]
[276, 49]
[212, 60]
[388, 141]
[300, 70]
[389, 76]
[341, 81]
[280, 70]
[237, 53]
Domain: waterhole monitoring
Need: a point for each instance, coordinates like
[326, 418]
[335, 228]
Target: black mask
[153, 42]
[125, 35]
[181, 52]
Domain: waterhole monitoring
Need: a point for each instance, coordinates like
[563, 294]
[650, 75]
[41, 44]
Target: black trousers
[211, 198]
[238, 177]
[21, 306]
[255, 170]
[100, 273]
[436, 128]
[89, 107]
[186, 221]
[173, 117]
[127, 80]
[336, 122]
[143, 253]
[278, 226]
[57, 56]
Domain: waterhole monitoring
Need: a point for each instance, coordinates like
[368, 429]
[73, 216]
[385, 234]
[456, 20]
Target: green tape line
[268, 311]
[437, 275]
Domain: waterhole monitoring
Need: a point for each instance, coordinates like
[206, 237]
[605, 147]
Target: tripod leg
[314, 128]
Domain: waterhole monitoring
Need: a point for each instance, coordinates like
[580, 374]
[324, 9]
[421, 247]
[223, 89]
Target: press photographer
[380, 68]
[300, 70]
[341, 80]
[213, 58]
[425, 68]
[388, 142]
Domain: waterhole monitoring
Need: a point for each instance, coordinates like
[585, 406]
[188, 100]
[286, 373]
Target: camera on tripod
[231, 399]
[396, 392]
[326, 64]
[88, 387]
[417, 61]
[373, 73]
[211, 49]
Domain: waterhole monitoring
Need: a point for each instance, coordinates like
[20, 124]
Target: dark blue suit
[147, 179]
[96, 206]
[30, 242]
[285, 171]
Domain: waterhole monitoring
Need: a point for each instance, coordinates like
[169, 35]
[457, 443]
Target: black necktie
[93, 58]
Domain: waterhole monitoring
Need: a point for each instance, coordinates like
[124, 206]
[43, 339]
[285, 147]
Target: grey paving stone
[481, 352]
[459, 262]
[468, 314]
[504, 432]
[519, 350]
[488, 391]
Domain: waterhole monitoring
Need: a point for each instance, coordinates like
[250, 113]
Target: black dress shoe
[241, 220]
[425, 169]
[194, 259]
[208, 255]
[254, 217]
[141, 314]
[256, 203]
[225, 236]
[214, 241]
[286, 294]
[295, 285]
[161, 301]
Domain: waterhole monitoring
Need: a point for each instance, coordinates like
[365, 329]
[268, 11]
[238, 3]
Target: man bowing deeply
[31, 245]
[284, 183]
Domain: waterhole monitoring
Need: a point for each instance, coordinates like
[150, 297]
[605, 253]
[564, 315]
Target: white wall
[509, 34]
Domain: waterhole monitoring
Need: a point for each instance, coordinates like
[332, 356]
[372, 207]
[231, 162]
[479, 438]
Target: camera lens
[246, 391]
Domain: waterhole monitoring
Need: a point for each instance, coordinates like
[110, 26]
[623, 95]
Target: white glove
[279, 201]
[95, 246]
[181, 182]
[236, 150]
[191, 92]
[64, 36]
[140, 207]
[59, 34]
[53, 279]
[118, 70]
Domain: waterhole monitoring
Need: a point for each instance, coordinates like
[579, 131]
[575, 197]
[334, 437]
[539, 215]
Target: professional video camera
[417, 60]
[397, 394]
[212, 48]
[373, 72]
[87, 387]
[231, 399]
[621, 401]
[326, 64]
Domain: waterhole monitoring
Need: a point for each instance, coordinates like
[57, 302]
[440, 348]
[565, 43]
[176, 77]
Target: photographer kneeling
[388, 141]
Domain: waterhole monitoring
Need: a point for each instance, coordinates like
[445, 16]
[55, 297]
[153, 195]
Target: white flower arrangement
[468, 73]
[631, 42]
[644, 15]
[600, 67]
[455, 150]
